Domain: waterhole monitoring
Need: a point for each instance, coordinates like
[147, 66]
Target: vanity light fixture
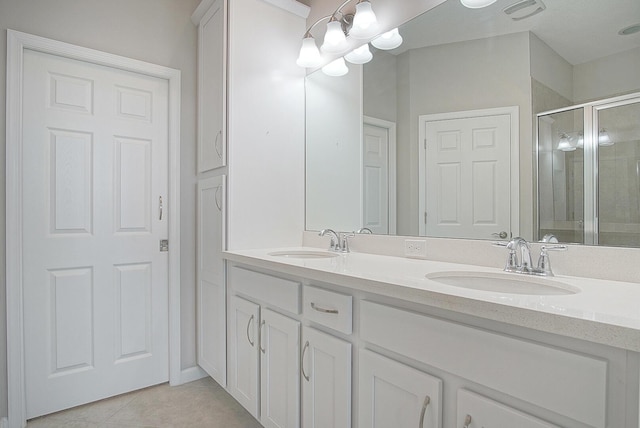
[387, 41]
[361, 55]
[580, 143]
[477, 4]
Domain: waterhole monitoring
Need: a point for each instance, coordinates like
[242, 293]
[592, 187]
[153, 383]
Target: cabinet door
[279, 367]
[326, 385]
[395, 395]
[244, 353]
[211, 89]
[211, 314]
[475, 411]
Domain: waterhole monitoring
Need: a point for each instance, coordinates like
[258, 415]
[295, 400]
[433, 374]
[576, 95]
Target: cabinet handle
[427, 400]
[467, 421]
[215, 144]
[304, 349]
[249, 325]
[215, 197]
[326, 311]
[261, 348]
[160, 207]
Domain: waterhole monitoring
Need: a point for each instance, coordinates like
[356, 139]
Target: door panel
[95, 283]
[376, 179]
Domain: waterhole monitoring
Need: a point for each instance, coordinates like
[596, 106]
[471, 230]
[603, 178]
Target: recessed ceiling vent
[524, 9]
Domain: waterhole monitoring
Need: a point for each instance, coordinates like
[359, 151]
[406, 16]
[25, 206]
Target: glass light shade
[361, 55]
[365, 23]
[389, 40]
[580, 143]
[565, 144]
[477, 4]
[334, 39]
[336, 68]
[309, 54]
[604, 139]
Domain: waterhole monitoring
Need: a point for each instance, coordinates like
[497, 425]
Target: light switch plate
[416, 248]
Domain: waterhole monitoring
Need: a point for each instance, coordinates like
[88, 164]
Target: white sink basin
[513, 283]
[304, 254]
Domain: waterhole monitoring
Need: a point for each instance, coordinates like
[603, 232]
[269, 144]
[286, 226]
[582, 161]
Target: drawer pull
[249, 325]
[323, 310]
[261, 348]
[467, 421]
[215, 144]
[427, 400]
[304, 349]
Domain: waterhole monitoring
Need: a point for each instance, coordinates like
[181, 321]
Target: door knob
[501, 235]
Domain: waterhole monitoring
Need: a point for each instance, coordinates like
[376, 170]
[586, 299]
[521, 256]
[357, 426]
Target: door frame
[514, 114]
[17, 42]
[391, 167]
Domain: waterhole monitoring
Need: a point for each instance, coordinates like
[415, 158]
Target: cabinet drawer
[333, 310]
[278, 292]
[477, 411]
[565, 382]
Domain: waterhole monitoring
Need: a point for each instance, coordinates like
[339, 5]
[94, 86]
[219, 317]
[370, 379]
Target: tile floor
[199, 404]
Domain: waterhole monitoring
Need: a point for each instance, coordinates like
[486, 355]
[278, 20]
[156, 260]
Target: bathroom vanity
[321, 339]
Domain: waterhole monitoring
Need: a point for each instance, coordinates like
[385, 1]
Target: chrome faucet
[339, 242]
[519, 257]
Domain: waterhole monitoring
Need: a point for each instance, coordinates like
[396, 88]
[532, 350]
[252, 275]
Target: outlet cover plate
[415, 248]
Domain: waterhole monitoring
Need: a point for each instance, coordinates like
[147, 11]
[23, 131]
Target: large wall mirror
[439, 136]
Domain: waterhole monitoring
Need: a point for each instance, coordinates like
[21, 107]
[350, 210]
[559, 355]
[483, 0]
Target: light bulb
[309, 54]
[336, 68]
[361, 55]
[604, 139]
[565, 144]
[389, 40]
[365, 23]
[477, 4]
[334, 39]
[580, 143]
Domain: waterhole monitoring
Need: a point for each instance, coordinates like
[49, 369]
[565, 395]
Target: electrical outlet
[415, 248]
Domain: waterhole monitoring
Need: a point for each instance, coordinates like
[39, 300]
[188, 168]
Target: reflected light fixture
[580, 143]
[336, 68]
[361, 55]
[565, 144]
[477, 4]
[389, 40]
[362, 25]
[604, 139]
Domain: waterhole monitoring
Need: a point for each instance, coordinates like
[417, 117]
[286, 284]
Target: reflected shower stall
[589, 172]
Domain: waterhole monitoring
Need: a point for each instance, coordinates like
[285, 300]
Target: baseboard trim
[190, 374]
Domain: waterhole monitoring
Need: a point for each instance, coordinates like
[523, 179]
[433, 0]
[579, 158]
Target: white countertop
[606, 312]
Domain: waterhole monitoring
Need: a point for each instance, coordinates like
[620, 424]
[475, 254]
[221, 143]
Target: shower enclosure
[589, 172]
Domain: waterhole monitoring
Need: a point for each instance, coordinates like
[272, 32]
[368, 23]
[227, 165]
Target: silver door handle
[215, 144]
[215, 196]
[427, 400]
[261, 348]
[323, 310]
[467, 421]
[248, 325]
[160, 207]
[501, 235]
[304, 349]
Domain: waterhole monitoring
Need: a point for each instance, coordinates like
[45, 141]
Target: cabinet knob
[467, 421]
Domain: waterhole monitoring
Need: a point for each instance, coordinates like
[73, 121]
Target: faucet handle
[344, 241]
[544, 264]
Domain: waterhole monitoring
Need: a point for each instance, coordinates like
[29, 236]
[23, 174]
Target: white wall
[157, 31]
[616, 74]
[549, 68]
[334, 151]
[266, 127]
[380, 97]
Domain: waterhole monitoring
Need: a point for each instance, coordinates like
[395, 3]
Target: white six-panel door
[467, 173]
[95, 209]
[376, 178]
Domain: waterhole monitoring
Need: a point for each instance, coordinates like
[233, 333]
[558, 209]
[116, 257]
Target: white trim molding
[17, 42]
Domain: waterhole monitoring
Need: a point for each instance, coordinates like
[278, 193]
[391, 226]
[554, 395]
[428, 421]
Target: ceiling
[578, 30]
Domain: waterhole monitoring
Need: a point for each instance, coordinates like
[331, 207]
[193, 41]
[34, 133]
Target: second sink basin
[504, 283]
[304, 254]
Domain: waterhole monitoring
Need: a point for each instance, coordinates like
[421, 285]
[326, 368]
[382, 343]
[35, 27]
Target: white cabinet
[211, 314]
[264, 347]
[475, 411]
[212, 87]
[326, 383]
[392, 394]
[279, 368]
[244, 353]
